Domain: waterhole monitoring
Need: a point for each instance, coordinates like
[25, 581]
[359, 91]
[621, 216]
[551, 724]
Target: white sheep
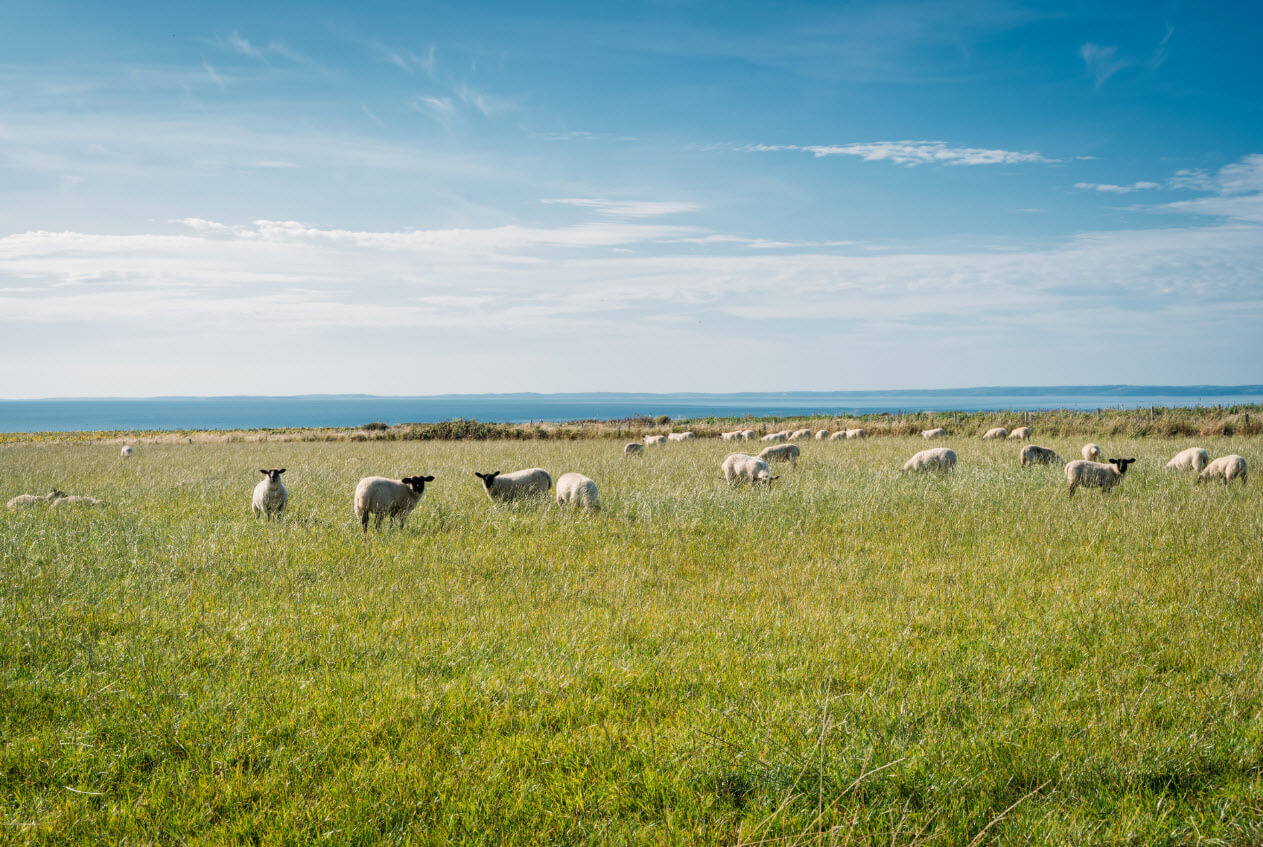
[23, 500]
[270, 497]
[800, 434]
[996, 432]
[1190, 459]
[681, 436]
[382, 497]
[655, 440]
[575, 489]
[1022, 433]
[822, 434]
[1092, 452]
[1082, 473]
[780, 453]
[530, 482]
[1226, 468]
[775, 437]
[937, 432]
[75, 500]
[857, 433]
[127, 451]
[1033, 455]
[838, 436]
[738, 435]
[934, 459]
[633, 448]
[740, 468]
[748, 434]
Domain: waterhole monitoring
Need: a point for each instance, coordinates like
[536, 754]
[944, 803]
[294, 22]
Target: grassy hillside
[851, 657]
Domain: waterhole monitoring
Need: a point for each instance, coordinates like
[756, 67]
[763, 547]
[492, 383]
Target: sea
[351, 410]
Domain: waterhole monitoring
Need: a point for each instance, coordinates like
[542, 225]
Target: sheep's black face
[273, 474]
[488, 479]
[417, 483]
[1122, 464]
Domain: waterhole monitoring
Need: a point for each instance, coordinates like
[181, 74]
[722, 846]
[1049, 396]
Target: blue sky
[415, 198]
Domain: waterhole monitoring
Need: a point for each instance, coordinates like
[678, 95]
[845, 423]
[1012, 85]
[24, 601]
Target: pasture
[852, 656]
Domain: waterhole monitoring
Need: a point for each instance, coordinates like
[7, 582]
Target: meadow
[851, 656]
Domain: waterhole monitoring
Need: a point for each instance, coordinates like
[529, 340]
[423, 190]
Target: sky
[423, 198]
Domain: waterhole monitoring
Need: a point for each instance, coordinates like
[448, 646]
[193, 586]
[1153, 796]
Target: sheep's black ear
[282, 470]
[263, 471]
[427, 479]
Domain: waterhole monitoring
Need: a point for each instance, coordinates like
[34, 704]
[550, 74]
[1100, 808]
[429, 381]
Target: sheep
[934, 459]
[799, 434]
[776, 437]
[748, 435]
[531, 482]
[740, 468]
[127, 451]
[655, 440]
[839, 435]
[780, 453]
[270, 496]
[1191, 459]
[73, 500]
[575, 489]
[738, 435]
[379, 496]
[633, 448]
[1022, 433]
[1086, 474]
[937, 432]
[1032, 455]
[996, 432]
[1092, 452]
[23, 500]
[822, 434]
[1226, 468]
[681, 436]
[857, 433]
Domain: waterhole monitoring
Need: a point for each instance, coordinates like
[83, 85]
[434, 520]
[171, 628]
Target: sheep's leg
[378, 523]
[364, 522]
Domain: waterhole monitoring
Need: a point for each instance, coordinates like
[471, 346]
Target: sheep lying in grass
[633, 448]
[1084, 474]
[71, 501]
[681, 436]
[382, 497]
[23, 500]
[1191, 459]
[1022, 433]
[127, 451]
[1092, 452]
[996, 432]
[575, 489]
[934, 459]
[937, 432]
[780, 453]
[1032, 455]
[270, 496]
[530, 482]
[1226, 468]
[740, 468]
[655, 440]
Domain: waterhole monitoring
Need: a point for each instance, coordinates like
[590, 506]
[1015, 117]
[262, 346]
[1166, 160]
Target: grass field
[851, 657]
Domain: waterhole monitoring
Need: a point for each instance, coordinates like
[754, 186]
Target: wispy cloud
[406, 60]
[627, 208]
[1237, 191]
[1102, 61]
[910, 153]
[244, 47]
[1117, 189]
[212, 74]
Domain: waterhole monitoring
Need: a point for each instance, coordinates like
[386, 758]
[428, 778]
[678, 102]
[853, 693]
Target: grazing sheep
[1226, 468]
[937, 432]
[1085, 474]
[839, 435]
[738, 435]
[23, 500]
[857, 433]
[531, 482]
[934, 459]
[799, 434]
[749, 434]
[822, 434]
[633, 448]
[379, 496]
[74, 500]
[996, 432]
[655, 440]
[1092, 452]
[1022, 433]
[1032, 455]
[740, 468]
[780, 453]
[1191, 459]
[270, 496]
[127, 451]
[681, 436]
[575, 489]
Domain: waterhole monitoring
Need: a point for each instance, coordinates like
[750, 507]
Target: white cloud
[1102, 62]
[1237, 191]
[1117, 189]
[244, 47]
[911, 153]
[627, 208]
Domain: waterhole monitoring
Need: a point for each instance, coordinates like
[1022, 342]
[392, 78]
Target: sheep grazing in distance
[822, 434]
[934, 459]
[1092, 452]
[749, 435]
[1033, 455]
[127, 451]
[996, 432]
[530, 482]
[74, 500]
[655, 440]
[23, 500]
[780, 453]
[382, 497]
[1226, 468]
[1084, 474]
[937, 432]
[857, 433]
[681, 436]
[270, 497]
[738, 435]
[575, 489]
[800, 434]
[633, 448]
[740, 468]
[839, 435]
[1022, 433]
[1191, 459]
[776, 437]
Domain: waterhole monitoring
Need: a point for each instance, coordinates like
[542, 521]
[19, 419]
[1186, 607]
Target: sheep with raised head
[937, 432]
[681, 436]
[529, 482]
[934, 459]
[1082, 473]
[996, 432]
[71, 501]
[1190, 459]
[127, 451]
[1092, 452]
[23, 500]
[575, 489]
[1227, 468]
[655, 440]
[393, 498]
[1034, 455]
[776, 437]
[633, 448]
[740, 468]
[780, 453]
[270, 497]
[1022, 433]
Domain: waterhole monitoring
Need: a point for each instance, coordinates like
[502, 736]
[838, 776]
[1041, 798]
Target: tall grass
[854, 656]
